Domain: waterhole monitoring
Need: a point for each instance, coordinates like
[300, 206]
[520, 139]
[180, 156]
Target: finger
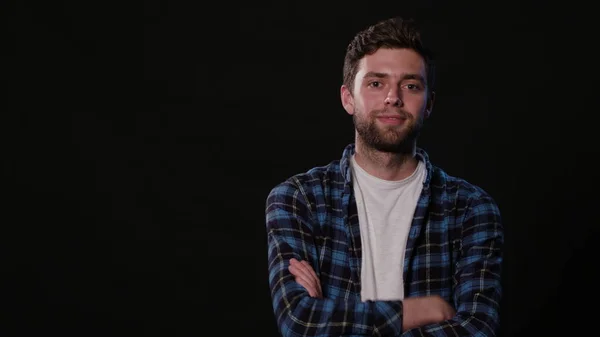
[312, 274]
[449, 311]
[311, 291]
[303, 270]
[306, 282]
[308, 285]
[294, 270]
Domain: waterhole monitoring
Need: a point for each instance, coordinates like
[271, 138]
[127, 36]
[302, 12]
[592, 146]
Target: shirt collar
[350, 149]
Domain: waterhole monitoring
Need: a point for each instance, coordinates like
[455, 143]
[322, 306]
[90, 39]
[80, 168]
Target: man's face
[389, 100]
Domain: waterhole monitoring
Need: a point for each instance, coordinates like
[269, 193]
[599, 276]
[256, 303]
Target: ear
[430, 101]
[347, 99]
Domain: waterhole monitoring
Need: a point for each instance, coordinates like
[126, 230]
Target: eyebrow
[404, 76]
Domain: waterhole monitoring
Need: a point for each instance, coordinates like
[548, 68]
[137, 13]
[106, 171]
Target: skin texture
[389, 83]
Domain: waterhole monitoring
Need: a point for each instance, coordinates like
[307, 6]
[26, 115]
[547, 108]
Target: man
[382, 242]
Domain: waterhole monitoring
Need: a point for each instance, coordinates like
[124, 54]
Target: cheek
[371, 100]
[415, 104]
[373, 95]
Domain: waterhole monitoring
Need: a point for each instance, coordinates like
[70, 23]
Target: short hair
[390, 33]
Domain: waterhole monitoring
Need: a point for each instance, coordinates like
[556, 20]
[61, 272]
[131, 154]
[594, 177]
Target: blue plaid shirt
[453, 250]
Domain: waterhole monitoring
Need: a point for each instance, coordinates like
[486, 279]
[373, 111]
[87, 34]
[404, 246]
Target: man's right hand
[420, 311]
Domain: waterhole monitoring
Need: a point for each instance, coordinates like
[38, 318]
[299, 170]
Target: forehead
[394, 62]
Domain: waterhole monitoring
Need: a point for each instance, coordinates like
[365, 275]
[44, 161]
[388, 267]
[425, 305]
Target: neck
[386, 165]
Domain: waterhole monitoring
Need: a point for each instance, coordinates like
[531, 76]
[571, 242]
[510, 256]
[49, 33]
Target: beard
[391, 139]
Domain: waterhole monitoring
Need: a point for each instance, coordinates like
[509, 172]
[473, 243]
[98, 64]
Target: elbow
[481, 324]
[289, 329]
[288, 320]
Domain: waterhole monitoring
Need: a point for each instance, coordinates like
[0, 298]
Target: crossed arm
[290, 235]
[299, 312]
[418, 311]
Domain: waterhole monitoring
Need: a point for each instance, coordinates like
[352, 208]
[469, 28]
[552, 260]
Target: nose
[393, 99]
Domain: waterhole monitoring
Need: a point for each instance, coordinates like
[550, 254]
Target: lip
[392, 120]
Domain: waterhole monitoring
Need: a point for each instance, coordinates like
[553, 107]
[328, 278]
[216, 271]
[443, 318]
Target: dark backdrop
[141, 143]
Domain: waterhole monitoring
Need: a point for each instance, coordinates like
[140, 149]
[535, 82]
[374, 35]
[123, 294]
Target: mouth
[392, 120]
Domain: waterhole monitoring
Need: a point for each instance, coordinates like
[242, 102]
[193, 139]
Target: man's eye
[375, 84]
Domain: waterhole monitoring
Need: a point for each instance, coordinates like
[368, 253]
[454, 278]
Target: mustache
[387, 112]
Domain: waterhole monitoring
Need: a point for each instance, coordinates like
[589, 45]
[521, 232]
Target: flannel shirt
[454, 250]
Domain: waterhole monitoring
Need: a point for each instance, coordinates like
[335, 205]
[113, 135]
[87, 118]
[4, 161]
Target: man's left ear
[430, 102]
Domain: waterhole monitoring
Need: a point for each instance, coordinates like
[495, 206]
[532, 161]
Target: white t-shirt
[385, 213]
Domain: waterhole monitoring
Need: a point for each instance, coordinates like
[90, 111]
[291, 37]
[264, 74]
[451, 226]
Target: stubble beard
[388, 139]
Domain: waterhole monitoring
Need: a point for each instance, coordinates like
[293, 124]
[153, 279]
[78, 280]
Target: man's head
[388, 85]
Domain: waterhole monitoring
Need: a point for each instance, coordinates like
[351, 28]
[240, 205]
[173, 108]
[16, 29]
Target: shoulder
[462, 192]
[456, 185]
[309, 183]
[448, 186]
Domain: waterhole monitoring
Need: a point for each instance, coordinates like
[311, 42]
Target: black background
[141, 143]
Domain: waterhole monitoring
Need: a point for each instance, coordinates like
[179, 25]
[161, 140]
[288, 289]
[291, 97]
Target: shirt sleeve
[290, 235]
[478, 289]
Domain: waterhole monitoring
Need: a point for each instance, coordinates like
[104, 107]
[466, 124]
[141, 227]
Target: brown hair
[391, 33]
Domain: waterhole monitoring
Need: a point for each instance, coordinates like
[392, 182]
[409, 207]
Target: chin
[393, 147]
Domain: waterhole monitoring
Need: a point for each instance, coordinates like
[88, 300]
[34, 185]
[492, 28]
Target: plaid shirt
[453, 250]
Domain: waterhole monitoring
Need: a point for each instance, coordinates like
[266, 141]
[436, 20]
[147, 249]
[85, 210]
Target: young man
[382, 242]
